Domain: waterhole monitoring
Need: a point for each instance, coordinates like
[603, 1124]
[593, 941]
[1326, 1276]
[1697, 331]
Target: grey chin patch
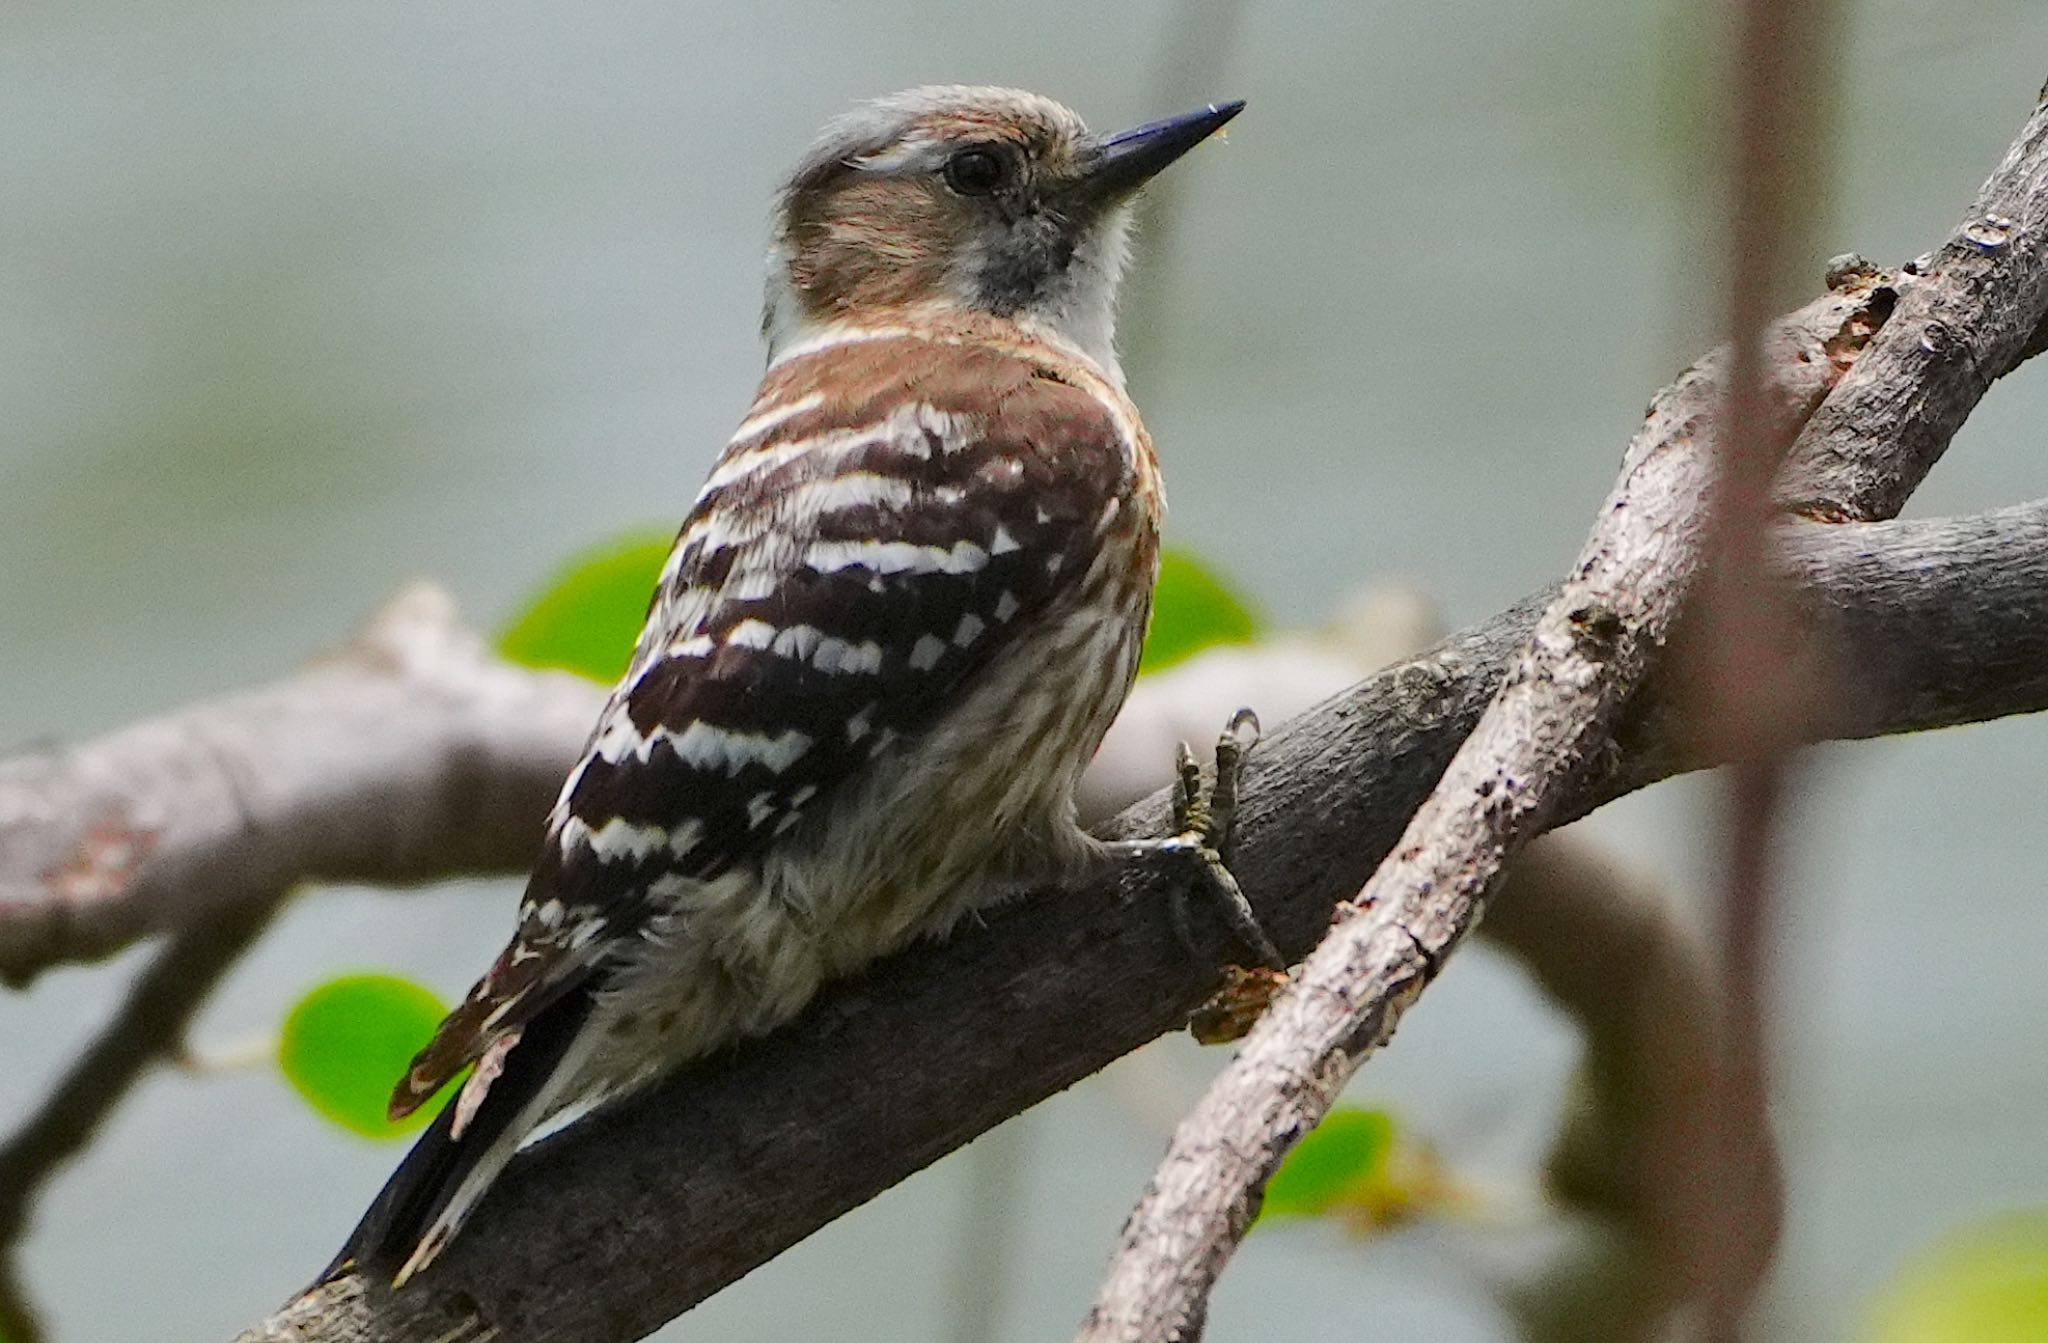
[1029, 264]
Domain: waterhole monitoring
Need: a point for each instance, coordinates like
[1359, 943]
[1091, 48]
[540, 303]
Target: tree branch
[1591, 648]
[1633, 1163]
[619, 1224]
[412, 754]
[149, 1026]
[1968, 314]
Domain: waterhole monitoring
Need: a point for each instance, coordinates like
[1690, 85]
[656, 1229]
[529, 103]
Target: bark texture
[610, 1229]
[410, 755]
[1589, 651]
[1969, 313]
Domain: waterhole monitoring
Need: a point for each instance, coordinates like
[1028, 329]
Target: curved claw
[1237, 740]
[1203, 820]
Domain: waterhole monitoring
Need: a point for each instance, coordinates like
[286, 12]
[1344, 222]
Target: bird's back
[905, 607]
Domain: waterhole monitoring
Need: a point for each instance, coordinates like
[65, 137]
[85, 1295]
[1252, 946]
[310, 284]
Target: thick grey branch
[410, 755]
[613, 1227]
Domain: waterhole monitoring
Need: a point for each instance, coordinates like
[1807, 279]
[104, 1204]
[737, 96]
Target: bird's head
[952, 200]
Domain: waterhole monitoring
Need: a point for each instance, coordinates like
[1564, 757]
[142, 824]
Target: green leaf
[1986, 1281]
[588, 615]
[346, 1044]
[1192, 609]
[1337, 1165]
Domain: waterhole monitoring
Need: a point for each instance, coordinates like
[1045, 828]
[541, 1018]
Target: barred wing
[895, 516]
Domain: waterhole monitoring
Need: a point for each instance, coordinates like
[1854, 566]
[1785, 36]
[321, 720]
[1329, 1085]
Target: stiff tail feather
[432, 1192]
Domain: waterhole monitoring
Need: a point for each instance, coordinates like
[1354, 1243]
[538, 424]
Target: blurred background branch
[1608, 945]
[149, 1029]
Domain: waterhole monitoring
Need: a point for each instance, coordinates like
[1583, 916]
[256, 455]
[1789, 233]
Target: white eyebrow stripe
[895, 557]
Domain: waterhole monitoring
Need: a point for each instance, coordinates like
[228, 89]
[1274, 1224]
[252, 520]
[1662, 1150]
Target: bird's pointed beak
[1127, 160]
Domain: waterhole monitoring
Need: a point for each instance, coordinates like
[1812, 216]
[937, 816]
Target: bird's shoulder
[1010, 384]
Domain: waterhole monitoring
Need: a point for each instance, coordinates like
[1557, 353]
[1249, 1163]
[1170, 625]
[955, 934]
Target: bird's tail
[432, 1192]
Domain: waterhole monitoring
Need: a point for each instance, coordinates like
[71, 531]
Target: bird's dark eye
[974, 172]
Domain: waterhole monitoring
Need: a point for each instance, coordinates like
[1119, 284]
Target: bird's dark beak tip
[1131, 158]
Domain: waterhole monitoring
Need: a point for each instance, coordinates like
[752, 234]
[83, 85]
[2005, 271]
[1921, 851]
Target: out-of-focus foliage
[587, 616]
[1342, 1161]
[1986, 1283]
[1193, 609]
[1366, 1169]
[346, 1043]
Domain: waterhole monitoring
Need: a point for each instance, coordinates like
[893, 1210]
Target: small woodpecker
[896, 622]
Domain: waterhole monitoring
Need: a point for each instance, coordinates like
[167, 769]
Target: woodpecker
[894, 626]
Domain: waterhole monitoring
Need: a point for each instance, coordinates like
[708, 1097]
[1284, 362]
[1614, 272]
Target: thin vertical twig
[1748, 703]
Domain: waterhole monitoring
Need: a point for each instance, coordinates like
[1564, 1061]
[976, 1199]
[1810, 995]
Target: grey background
[298, 302]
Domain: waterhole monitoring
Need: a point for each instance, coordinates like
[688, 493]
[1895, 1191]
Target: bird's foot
[1202, 821]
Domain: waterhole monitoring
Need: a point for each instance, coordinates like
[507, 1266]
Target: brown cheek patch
[868, 244]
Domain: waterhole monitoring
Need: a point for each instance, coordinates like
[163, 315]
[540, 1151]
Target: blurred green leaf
[347, 1043]
[1192, 609]
[1342, 1159]
[588, 615]
[1988, 1281]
